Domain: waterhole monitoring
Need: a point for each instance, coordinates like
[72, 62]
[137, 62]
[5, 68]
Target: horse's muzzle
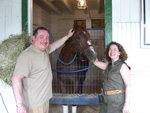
[90, 54]
[92, 57]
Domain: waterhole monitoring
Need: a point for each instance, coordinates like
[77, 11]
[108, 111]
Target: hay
[9, 52]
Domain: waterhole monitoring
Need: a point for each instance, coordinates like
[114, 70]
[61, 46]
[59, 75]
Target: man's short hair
[39, 28]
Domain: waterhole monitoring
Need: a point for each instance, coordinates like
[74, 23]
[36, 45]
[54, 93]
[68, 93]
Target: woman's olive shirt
[112, 77]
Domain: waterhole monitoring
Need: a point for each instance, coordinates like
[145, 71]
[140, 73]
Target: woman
[116, 80]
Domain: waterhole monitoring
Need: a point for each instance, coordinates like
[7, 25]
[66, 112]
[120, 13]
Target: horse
[79, 51]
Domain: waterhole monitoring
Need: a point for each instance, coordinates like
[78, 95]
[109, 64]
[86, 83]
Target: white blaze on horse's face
[84, 32]
[89, 42]
[91, 47]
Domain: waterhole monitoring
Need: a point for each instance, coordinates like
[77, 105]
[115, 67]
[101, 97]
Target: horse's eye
[78, 37]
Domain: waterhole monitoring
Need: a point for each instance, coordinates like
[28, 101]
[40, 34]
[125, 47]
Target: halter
[80, 51]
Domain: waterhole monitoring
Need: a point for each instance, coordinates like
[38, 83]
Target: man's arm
[61, 41]
[17, 90]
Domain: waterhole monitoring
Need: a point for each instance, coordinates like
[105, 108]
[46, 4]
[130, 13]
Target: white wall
[10, 23]
[10, 18]
[126, 30]
[7, 100]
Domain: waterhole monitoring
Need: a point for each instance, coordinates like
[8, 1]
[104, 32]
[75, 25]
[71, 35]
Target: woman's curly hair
[123, 55]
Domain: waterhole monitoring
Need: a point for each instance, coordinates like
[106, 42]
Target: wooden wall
[40, 17]
[61, 24]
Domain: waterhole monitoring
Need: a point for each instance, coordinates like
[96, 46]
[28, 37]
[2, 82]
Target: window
[145, 24]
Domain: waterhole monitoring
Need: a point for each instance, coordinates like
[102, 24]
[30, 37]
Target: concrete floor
[80, 109]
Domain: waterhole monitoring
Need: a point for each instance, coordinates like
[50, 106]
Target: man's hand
[70, 33]
[21, 109]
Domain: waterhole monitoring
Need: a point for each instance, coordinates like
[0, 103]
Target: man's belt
[113, 92]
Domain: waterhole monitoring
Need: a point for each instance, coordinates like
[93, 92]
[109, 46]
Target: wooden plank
[125, 10]
[100, 6]
[48, 6]
[8, 18]
[76, 99]
[2, 21]
[135, 11]
[66, 3]
[116, 11]
[16, 17]
[52, 6]
[24, 15]
[108, 21]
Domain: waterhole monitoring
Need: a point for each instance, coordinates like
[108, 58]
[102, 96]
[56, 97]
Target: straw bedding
[9, 52]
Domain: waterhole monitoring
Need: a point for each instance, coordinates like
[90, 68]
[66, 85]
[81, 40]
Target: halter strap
[79, 50]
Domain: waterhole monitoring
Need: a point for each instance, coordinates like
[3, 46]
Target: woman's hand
[100, 64]
[126, 108]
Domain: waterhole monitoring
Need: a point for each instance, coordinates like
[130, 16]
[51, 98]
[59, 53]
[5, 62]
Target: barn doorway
[45, 16]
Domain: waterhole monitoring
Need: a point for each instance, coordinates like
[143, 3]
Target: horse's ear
[83, 24]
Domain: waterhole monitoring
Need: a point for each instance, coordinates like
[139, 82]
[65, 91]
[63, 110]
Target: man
[32, 78]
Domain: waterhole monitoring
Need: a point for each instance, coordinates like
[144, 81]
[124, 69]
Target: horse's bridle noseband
[80, 51]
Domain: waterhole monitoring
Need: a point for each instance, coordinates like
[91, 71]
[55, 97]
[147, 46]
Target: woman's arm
[100, 64]
[125, 73]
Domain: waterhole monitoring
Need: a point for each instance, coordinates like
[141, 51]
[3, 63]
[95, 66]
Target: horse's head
[81, 42]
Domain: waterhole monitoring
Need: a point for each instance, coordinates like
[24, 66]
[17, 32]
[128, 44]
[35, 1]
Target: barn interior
[58, 17]
[124, 23]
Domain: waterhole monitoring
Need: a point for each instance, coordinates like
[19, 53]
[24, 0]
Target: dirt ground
[80, 109]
